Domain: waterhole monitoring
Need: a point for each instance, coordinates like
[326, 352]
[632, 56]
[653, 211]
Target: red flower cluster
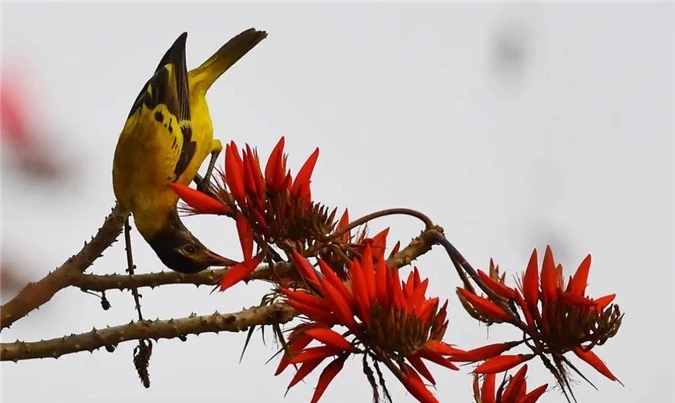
[270, 209]
[388, 321]
[558, 318]
[391, 321]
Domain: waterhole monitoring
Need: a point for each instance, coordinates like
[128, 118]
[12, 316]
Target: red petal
[416, 387]
[531, 283]
[487, 394]
[419, 366]
[200, 202]
[444, 348]
[382, 284]
[288, 182]
[501, 363]
[485, 306]
[318, 315]
[409, 285]
[498, 287]
[395, 249]
[533, 396]
[368, 270]
[300, 188]
[234, 173]
[602, 302]
[327, 376]
[335, 281]
[305, 269]
[275, 169]
[258, 180]
[343, 223]
[331, 339]
[314, 353]
[594, 361]
[293, 347]
[379, 244]
[515, 385]
[305, 369]
[239, 272]
[578, 283]
[569, 298]
[304, 298]
[549, 287]
[426, 308]
[397, 299]
[340, 307]
[482, 353]
[526, 311]
[359, 291]
[245, 236]
[416, 301]
[433, 356]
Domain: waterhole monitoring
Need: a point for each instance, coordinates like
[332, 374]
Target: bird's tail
[205, 75]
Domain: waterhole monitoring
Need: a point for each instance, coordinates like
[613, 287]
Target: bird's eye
[189, 249]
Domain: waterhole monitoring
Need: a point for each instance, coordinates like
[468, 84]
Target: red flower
[277, 208]
[198, 201]
[388, 320]
[512, 391]
[558, 318]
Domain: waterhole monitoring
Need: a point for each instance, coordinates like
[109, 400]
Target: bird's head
[181, 251]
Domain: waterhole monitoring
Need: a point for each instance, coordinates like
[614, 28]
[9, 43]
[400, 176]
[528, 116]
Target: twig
[147, 329]
[36, 294]
[131, 266]
[102, 282]
[143, 351]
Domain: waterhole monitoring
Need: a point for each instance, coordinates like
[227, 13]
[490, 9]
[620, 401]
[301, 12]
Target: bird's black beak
[215, 259]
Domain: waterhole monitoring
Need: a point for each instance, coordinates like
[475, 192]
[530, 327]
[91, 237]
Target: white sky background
[568, 142]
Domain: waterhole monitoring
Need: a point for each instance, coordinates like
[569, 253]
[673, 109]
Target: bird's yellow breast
[146, 155]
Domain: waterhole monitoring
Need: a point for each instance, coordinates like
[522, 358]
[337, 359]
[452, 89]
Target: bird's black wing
[169, 86]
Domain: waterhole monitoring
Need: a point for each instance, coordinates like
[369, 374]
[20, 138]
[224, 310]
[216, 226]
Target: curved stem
[382, 213]
[457, 257]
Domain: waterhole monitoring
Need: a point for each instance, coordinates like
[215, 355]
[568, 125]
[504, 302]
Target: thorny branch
[36, 294]
[71, 273]
[147, 329]
[103, 282]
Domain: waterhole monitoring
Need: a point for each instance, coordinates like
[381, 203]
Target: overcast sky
[511, 125]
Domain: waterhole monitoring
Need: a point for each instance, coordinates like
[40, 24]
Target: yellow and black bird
[166, 138]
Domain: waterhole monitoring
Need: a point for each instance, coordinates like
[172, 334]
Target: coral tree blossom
[558, 318]
[388, 320]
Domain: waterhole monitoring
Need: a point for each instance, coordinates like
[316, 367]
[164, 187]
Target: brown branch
[147, 329]
[417, 247]
[36, 294]
[166, 329]
[103, 282]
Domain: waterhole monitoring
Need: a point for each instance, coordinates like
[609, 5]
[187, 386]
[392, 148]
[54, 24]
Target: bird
[166, 137]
